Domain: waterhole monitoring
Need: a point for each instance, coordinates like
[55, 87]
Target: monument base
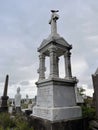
[3, 109]
[43, 124]
[57, 113]
[4, 105]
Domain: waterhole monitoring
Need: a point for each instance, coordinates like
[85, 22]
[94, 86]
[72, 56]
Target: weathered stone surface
[56, 93]
[57, 113]
[56, 100]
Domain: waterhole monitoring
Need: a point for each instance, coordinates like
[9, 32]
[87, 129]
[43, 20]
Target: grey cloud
[24, 83]
[24, 24]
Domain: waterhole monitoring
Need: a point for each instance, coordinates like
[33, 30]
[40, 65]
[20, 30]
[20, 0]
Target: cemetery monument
[18, 101]
[4, 98]
[56, 98]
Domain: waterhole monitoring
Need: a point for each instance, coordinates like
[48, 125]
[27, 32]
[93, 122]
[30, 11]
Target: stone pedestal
[4, 106]
[56, 100]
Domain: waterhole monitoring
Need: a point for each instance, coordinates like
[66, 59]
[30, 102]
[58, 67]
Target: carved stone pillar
[67, 64]
[57, 66]
[41, 69]
[53, 61]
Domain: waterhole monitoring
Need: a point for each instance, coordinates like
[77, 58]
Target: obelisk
[4, 106]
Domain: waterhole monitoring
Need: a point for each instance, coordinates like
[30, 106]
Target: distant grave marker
[4, 98]
[18, 101]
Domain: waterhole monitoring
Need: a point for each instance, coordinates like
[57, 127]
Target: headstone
[4, 98]
[12, 108]
[27, 99]
[56, 98]
[95, 84]
[18, 101]
[79, 98]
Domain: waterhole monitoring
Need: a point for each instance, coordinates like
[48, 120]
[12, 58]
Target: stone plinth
[56, 100]
[59, 113]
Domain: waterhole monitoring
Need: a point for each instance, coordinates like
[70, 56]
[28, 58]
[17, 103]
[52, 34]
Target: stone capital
[42, 56]
[52, 49]
[67, 54]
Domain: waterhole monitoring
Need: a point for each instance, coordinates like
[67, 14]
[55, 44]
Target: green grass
[18, 122]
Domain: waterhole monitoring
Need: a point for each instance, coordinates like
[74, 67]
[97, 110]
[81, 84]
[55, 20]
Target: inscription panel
[45, 96]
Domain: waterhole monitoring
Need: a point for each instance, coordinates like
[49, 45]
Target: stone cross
[54, 18]
[4, 98]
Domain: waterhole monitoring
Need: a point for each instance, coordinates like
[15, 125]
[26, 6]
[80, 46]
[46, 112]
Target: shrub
[5, 121]
[18, 122]
[88, 112]
[22, 123]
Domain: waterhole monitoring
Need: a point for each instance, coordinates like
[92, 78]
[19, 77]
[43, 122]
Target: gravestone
[18, 101]
[56, 100]
[4, 98]
[27, 99]
[95, 85]
[12, 108]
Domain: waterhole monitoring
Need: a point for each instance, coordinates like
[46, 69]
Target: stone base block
[57, 113]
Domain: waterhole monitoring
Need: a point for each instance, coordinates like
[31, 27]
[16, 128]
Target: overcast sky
[23, 26]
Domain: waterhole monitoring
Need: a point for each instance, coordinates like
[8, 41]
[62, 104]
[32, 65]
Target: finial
[54, 18]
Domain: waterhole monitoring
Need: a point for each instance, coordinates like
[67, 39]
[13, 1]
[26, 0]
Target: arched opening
[61, 67]
[47, 65]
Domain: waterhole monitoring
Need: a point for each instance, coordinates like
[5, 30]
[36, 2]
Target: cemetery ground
[16, 122]
[21, 121]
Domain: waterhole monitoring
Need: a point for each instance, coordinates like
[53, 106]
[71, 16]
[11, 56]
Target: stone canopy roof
[57, 40]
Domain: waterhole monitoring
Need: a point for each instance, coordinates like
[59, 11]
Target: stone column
[57, 66]
[67, 64]
[41, 69]
[53, 61]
